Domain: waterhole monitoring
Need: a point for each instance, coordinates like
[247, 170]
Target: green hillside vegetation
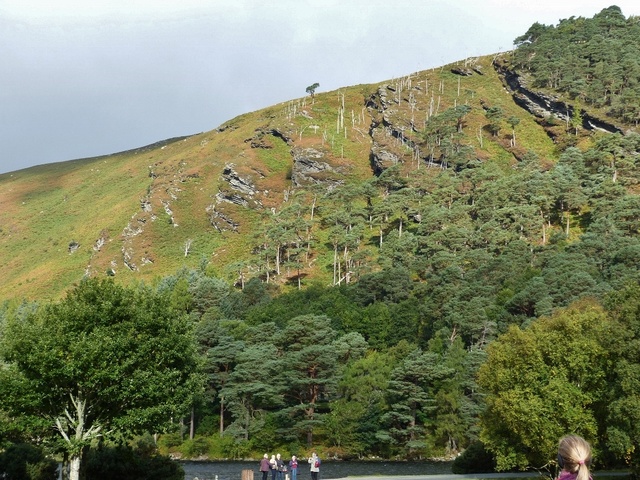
[593, 60]
[133, 213]
[402, 269]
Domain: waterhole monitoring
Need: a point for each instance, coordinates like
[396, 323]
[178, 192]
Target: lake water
[328, 470]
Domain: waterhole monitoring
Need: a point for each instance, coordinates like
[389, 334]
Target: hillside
[398, 270]
[214, 200]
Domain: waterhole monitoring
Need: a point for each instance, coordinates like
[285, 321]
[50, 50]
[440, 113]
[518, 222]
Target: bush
[475, 459]
[169, 441]
[219, 447]
[26, 462]
[235, 449]
[123, 463]
[196, 447]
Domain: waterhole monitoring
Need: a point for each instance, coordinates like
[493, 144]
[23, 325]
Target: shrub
[196, 447]
[475, 459]
[170, 440]
[26, 462]
[235, 449]
[123, 463]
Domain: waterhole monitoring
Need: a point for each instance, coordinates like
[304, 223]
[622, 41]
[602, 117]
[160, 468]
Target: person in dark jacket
[264, 466]
[280, 467]
[293, 467]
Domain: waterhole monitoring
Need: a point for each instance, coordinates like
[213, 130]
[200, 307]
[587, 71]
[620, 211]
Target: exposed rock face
[309, 168]
[242, 185]
[220, 221]
[465, 72]
[391, 129]
[231, 198]
[381, 159]
[542, 106]
[261, 138]
[241, 189]
[241, 192]
[101, 241]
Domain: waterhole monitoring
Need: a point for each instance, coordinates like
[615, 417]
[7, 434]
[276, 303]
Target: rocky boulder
[309, 168]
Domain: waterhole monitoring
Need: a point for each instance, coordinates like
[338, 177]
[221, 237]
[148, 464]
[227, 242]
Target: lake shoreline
[363, 470]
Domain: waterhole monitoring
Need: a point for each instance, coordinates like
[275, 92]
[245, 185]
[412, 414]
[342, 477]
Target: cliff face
[542, 106]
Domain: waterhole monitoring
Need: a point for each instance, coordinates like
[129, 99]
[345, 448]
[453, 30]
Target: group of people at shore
[281, 470]
[574, 458]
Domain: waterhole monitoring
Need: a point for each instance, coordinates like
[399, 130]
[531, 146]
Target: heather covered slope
[226, 200]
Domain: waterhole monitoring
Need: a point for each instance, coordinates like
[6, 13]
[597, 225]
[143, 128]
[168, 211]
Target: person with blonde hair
[273, 464]
[574, 457]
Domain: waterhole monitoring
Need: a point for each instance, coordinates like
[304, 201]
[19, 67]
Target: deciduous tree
[105, 360]
[545, 381]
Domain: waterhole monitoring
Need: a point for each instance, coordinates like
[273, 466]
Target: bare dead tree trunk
[192, 425]
[335, 261]
[221, 415]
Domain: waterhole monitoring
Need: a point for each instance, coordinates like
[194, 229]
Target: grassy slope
[43, 209]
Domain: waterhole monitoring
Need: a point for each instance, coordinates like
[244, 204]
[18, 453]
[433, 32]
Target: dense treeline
[294, 371]
[594, 60]
[273, 375]
[474, 249]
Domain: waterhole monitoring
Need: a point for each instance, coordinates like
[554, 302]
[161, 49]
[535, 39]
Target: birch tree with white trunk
[104, 360]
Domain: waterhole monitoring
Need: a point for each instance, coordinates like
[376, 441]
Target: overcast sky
[84, 78]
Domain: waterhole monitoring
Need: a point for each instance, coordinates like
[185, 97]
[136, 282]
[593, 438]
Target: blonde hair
[574, 456]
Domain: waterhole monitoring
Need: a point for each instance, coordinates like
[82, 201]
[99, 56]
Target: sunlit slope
[200, 201]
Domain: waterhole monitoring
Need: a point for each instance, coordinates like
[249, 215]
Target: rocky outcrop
[391, 131]
[543, 106]
[465, 72]
[381, 159]
[73, 246]
[232, 198]
[237, 190]
[101, 241]
[242, 185]
[220, 221]
[309, 168]
[263, 136]
[241, 190]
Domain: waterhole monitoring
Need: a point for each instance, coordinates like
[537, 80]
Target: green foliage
[195, 448]
[474, 459]
[544, 381]
[169, 440]
[592, 59]
[234, 449]
[622, 429]
[495, 116]
[105, 357]
[311, 89]
[387, 286]
[312, 361]
[125, 463]
[27, 462]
